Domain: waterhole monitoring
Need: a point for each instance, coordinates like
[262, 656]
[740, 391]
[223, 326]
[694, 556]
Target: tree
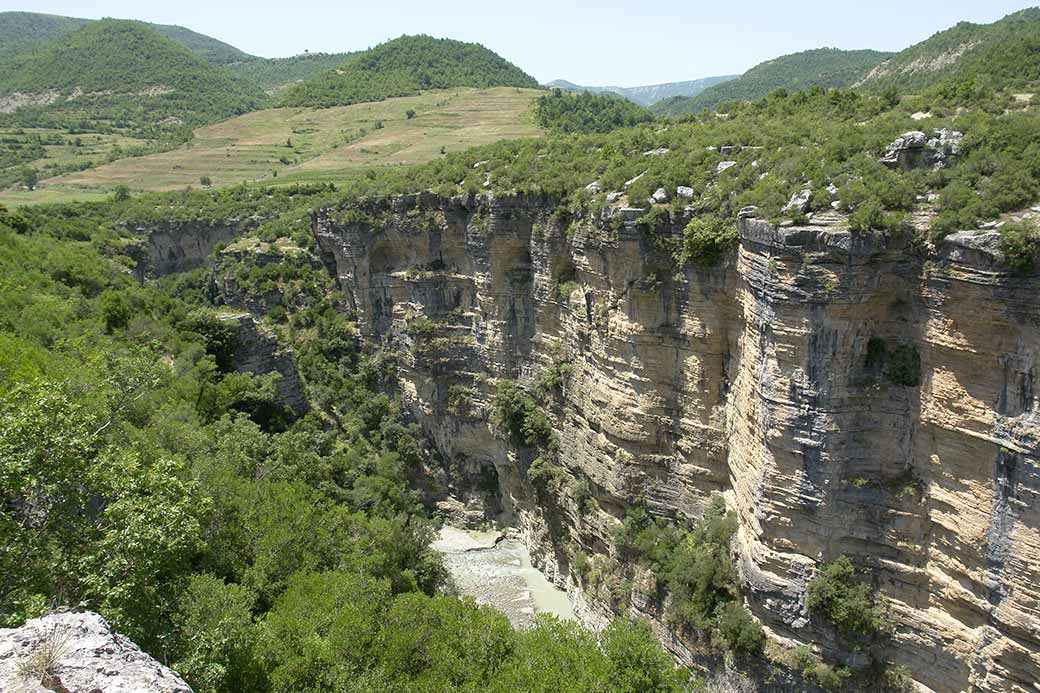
[214, 642]
[205, 181]
[121, 193]
[409, 114]
[29, 177]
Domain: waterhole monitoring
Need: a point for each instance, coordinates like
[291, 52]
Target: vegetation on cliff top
[405, 66]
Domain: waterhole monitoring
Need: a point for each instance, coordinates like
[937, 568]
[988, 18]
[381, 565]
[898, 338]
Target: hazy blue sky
[625, 43]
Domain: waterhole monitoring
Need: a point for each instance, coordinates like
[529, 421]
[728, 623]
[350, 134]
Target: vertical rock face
[257, 351]
[174, 246]
[79, 653]
[846, 393]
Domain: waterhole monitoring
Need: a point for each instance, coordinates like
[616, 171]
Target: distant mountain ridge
[826, 67]
[649, 94]
[405, 66]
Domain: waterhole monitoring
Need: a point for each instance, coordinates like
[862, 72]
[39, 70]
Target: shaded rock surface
[79, 652]
[258, 351]
[176, 246]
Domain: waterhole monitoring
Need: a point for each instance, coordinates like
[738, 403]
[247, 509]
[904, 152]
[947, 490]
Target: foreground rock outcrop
[847, 393]
[77, 652]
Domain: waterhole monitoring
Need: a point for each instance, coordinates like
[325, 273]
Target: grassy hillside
[327, 144]
[649, 94]
[277, 74]
[827, 67]
[120, 74]
[23, 31]
[406, 66]
[1003, 54]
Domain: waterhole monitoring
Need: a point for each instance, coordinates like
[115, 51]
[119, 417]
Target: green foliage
[406, 66]
[560, 111]
[705, 240]
[696, 570]
[904, 366]
[518, 414]
[837, 596]
[333, 631]
[871, 216]
[825, 67]
[215, 637]
[1020, 244]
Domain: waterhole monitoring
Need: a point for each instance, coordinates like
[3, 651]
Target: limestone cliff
[847, 393]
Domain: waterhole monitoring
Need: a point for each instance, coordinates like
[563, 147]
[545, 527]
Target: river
[497, 571]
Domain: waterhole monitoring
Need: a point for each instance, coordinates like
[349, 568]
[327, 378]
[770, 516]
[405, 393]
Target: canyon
[846, 393]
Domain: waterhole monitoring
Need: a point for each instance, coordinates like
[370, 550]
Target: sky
[619, 43]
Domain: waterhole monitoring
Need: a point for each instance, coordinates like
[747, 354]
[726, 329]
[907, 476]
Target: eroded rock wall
[847, 393]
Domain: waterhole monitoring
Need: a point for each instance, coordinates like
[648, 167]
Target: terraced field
[294, 144]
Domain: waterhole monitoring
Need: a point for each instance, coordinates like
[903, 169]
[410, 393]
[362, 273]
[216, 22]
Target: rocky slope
[77, 652]
[847, 393]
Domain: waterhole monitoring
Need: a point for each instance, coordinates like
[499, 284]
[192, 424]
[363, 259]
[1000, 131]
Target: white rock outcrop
[78, 652]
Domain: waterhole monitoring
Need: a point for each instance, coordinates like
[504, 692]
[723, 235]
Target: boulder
[660, 196]
[749, 212]
[614, 196]
[79, 651]
[915, 149]
[799, 203]
[723, 165]
[660, 151]
[684, 191]
[594, 187]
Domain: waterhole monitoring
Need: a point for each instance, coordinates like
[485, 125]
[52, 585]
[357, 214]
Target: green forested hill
[127, 73]
[1003, 54]
[275, 74]
[405, 66]
[826, 67]
[23, 31]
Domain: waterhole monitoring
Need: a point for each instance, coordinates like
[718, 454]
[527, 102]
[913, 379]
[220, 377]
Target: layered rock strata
[848, 393]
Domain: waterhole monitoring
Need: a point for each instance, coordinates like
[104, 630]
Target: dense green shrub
[1020, 244]
[904, 366]
[705, 240]
[520, 416]
[696, 570]
[561, 111]
[836, 595]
